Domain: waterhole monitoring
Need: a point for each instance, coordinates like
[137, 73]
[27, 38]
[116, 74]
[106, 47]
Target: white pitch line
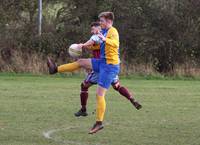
[49, 135]
[50, 132]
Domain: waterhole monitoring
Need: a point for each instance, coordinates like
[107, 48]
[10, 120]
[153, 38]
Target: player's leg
[91, 79]
[83, 98]
[70, 67]
[125, 92]
[84, 95]
[106, 76]
[100, 109]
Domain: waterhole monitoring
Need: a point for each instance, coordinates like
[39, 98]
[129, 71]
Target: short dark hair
[95, 24]
[107, 15]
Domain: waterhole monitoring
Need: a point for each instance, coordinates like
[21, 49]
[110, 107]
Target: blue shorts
[107, 72]
[93, 78]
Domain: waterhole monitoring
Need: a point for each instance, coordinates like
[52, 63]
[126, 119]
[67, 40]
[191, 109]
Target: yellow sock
[70, 67]
[101, 107]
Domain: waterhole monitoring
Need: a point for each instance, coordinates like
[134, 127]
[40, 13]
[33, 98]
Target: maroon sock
[124, 92]
[83, 97]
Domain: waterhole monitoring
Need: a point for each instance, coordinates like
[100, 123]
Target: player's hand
[80, 45]
[100, 35]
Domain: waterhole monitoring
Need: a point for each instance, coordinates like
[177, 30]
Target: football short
[93, 77]
[107, 72]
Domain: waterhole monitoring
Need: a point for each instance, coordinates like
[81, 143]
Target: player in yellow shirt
[92, 78]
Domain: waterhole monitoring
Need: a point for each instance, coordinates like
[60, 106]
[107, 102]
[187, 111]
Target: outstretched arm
[94, 40]
[87, 44]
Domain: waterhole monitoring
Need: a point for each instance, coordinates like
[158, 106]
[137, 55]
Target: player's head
[95, 27]
[106, 19]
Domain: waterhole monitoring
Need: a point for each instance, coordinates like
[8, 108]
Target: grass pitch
[33, 105]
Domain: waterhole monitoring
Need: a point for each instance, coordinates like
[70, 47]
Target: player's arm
[87, 44]
[94, 40]
[112, 39]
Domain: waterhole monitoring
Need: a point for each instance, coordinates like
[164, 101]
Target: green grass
[31, 105]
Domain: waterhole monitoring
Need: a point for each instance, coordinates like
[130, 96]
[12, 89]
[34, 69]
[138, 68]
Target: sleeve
[113, 38]
[95, 38]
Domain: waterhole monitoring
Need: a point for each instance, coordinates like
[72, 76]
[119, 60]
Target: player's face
[95, 30]
[103, 22]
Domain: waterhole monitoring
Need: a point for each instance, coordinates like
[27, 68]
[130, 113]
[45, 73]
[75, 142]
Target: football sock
[100, 108]
[70, 67]
[84, 94]
[84, 97]
[124, 92]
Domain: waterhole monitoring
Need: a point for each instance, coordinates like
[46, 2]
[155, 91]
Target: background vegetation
[157, 36]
